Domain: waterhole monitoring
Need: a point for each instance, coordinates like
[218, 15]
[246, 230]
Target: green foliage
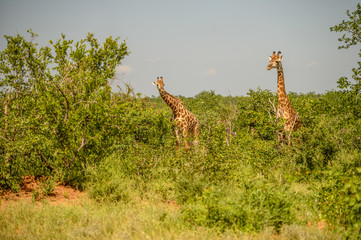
[340, 199]
[351, 27]
[109, 185]
[58, 110]
[47, 186]
[351, 37]
[245, 183]
[251, 207]
[259, 114]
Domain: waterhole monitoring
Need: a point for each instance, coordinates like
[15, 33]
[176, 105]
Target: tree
[57, 112]
[351, 37]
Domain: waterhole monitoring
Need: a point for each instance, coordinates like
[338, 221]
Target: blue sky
[202, 45]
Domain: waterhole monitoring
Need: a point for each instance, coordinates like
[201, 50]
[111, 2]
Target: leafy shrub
[108, 184]
[340, 200]
[47, 187]
[257, 114]
[250, 207]
[320, 143]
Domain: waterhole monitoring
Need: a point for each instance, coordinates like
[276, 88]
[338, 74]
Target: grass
[142, 219]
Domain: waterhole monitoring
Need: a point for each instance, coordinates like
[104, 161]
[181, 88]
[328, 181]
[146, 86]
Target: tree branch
[83, 144]
[46, 160]
[66, 102]
[5, 138]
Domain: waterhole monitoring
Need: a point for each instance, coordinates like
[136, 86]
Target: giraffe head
[159, 84]
[274, 60]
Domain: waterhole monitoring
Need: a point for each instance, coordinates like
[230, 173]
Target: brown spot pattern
[284, 109]
[184, 121]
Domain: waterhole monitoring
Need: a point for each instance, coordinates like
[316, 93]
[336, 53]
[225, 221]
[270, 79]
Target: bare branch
[82, 101]
[5, 138]
[66, 102]
[77, 125]
[46, 160]
[83, 143]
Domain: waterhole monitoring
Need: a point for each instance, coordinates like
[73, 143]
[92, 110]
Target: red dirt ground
[61, 194]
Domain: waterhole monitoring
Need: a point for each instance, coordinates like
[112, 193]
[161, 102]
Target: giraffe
[284, 108]
[183, 120]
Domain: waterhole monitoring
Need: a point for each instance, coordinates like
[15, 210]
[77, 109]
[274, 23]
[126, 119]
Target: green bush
[339, 197]
[58, 115]
[109, 184]
[250, 207]
[258, 114]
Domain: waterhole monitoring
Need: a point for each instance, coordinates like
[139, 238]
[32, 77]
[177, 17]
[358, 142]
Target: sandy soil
[61, 194]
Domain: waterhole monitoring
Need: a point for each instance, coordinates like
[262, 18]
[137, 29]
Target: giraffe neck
[281, 90]
[171, 101]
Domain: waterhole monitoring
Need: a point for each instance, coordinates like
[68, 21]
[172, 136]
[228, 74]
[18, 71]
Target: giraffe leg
[176, 135]
[287, 133]
[185, 135]
[288, 139]
[280, 137]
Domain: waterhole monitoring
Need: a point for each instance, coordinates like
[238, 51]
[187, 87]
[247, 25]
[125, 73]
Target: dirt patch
[320, 224]
[31, 190]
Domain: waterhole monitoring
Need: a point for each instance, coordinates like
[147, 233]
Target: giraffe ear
[270, 58]
[154, 84]
[281, 58]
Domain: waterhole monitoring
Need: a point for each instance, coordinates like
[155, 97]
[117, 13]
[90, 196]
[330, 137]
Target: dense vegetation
[60, 119]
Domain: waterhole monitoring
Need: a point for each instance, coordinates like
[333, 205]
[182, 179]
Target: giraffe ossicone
[183, 120]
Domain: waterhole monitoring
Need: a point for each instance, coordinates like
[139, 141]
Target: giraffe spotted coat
[284, 109]
[183, 120]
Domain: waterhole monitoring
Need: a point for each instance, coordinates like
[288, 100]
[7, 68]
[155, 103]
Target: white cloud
[312, 63]
[210, 72]
[124, 69]
[157, 59]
